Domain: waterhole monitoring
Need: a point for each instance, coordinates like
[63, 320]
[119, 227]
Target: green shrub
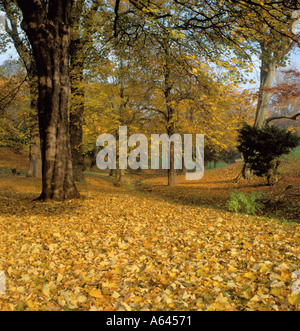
[248, 203]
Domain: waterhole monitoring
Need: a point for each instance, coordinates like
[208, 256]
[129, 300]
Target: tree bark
[121, 176]
[35, 158]
[112, 172]
[268, 72]
[48, 27]
[77, 109]
[275, 118]
[270, 60]
[267, 75]
[172, 173]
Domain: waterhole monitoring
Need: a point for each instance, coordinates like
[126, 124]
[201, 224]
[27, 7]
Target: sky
[295, 59]
[295, 63]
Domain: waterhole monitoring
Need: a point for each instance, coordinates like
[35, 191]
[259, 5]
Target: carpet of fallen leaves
[126, 251]
[215, 188]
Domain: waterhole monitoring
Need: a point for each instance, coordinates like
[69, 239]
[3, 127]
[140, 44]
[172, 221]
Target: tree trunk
[267, 75]
[184, 170]
[48, 28]
[172, 173]
[77, 109]
[112, 172]
[247, 172]
[35, 159]
[121, 176]
[268, 72]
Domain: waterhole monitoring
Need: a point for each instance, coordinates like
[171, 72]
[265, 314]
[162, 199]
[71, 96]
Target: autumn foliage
[74, 238]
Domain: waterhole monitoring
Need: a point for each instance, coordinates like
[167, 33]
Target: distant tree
[84, 25]
[12, 28]
[14, 106]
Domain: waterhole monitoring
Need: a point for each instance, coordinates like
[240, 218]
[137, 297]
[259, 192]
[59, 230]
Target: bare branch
[275, 118]
[12, 98]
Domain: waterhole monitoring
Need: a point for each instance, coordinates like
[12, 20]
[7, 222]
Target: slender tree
[83, 27]
[24, 51]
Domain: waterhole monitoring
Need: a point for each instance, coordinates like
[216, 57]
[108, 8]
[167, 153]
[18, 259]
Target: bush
[248, 203]
[262, 148]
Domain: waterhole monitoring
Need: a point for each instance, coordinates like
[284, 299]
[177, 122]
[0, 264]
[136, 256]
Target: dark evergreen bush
[263, 148]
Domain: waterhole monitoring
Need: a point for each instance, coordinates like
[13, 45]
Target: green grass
[8, 171]
[219, 165]
[296, 151]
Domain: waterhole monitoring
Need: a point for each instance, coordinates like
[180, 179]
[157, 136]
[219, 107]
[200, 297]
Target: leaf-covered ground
[116, 249]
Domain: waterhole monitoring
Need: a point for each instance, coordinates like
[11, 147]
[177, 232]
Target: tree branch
[13, 32]
[117, 6]
[12, 98]
[293, 118]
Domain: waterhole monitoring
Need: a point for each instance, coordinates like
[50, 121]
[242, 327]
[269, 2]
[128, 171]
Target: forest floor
[146, 246]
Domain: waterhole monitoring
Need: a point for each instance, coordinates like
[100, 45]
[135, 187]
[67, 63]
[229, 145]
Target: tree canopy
[155, 66]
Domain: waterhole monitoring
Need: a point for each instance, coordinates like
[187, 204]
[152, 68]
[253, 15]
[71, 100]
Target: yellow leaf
[30, 305]
[222, 303]
[294, 299]
[276, 291]
[264, 268]
[216, 284]
[250, 275]
[247, 245]
[46, 290]
[96, 293]
[137, 299]
[115, 295]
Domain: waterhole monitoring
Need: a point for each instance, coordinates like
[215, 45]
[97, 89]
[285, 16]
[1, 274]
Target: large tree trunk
[268, 72]
[267, 75]
[270, 60]
[48, 27]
